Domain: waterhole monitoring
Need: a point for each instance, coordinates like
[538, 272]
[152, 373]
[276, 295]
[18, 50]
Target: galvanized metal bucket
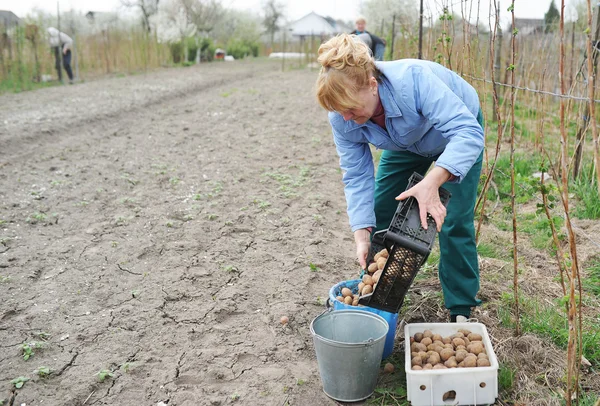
[349, 345]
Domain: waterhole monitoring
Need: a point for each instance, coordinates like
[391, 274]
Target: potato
[464, 331]
[346, 292]
[427, 366]
[483, 362]
[461, 355]
[418, 337]
[437, 337]
[412, 340]
[438, 343]
[360, 287]
[348, 300]
[355, 302]
[367, 280]
[423, 355]
[381, 262]
[383, 253]
[449, 346]
[416, 361]
[475, 348]
[461, 347]
[434, 359]
[340, 298]
[467, 341]
[367, 289]
[376, 276]
[458, 335]
[458, 341]
[482, 355]
[426, 341]
[388, 368]
[461, 364]
[427, 333]
[475, 337]
[417, 368]
[470, 361]
[376, 257]
[447, 340]
[446, 353]
[451, 362]
[372, 268]
[418, 347]
[284, 319]
[440, 366]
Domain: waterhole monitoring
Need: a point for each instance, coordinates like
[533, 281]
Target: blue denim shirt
[429, 110]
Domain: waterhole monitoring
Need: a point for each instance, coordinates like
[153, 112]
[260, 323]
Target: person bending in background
[61, 43]
[419, 113]
[376, 44]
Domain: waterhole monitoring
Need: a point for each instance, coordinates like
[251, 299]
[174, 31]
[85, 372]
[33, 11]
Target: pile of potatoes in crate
[369, 280]
[461, 350]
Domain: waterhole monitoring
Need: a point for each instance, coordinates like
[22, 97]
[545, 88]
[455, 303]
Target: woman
[419, 113]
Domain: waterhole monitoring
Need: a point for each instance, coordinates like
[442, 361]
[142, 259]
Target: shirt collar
[387, 101]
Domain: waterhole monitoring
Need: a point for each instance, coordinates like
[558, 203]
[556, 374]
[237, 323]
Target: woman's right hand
[362, 237]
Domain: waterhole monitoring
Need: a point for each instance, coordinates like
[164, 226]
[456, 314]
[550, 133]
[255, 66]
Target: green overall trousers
[459, 268]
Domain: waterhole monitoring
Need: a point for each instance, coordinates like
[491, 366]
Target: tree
[551, 18]
[273, 14]
[148, 8]
[378, 11]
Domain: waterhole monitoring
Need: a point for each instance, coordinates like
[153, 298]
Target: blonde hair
[347, 67]
[360, 20]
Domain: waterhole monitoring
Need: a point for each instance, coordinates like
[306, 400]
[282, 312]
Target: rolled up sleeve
[448, 114]
[356, 163]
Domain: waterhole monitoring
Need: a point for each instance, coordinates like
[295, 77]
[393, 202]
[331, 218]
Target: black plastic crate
[408, 246]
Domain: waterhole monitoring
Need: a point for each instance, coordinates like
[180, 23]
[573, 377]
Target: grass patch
[506, 377]
[586, 191]
[525, 166]
[288, 184]
[591, 283]
[488, 251]
[550, 321]
[537, 226]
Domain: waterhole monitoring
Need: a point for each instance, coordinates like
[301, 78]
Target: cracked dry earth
[158, 226]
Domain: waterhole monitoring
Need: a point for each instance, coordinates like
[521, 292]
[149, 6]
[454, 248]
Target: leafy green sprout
[235, 396]
[28, 348]
[313, 267]
[19, 382]
[42, 372]
[103, 374]
[126, 367]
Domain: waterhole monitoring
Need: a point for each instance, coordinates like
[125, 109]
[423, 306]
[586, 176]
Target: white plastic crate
[473, 386]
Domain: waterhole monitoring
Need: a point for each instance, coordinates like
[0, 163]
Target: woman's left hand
[427, 194]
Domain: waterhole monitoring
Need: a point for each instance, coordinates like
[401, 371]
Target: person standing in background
[376, 44]
[61, 43]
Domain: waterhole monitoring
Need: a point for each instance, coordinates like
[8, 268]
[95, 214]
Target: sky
[339, 9]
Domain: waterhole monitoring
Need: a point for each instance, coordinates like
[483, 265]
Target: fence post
[421, 31]
[393, 36]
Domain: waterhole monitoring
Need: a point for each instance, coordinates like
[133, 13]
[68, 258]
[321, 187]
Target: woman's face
[368, 99]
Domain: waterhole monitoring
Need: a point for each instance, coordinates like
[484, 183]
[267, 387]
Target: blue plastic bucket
[390, 318]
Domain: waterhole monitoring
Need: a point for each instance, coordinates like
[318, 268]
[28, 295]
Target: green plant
[241, 48]
[19, 382]
[27, 349]
[591, 283]
[586, 191]
[36, 217]
[506, 377]
[300, 382]
[103, 374]
[176, 49]
[125, 367]
[235, 397]
[313, 267]
[42, 372]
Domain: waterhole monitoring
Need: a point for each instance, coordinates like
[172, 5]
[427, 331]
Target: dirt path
[158, 227]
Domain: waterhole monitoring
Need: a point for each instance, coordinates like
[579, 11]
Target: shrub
[176, 49]
[239, 48]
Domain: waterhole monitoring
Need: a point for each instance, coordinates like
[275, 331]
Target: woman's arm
[356, 163]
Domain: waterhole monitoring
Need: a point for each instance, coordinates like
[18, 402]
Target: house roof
[314, 24]
[8, 18]
[528, 26]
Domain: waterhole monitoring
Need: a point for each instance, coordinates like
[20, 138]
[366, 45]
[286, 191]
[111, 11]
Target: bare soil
[158, 227]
